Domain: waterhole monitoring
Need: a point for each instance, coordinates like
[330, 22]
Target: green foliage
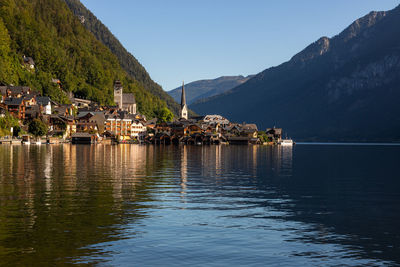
[164, 115]
[6, 123]
[128, 62]
[62, 48]
[37, 128]
[263, 137]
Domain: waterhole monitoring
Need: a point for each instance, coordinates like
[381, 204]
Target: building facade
[124, 101]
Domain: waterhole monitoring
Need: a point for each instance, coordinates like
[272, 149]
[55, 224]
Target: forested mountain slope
[63, 49]
[128, 62]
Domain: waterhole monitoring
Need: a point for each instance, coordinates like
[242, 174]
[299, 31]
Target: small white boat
[26, 140]
[286, 142]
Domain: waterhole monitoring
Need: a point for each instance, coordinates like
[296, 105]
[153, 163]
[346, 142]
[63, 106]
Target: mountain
[128, 62]
[206, 88]
[345, 88]
[54, 40]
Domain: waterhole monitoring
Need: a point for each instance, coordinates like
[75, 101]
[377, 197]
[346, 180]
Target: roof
[82, 135]
[82, 114]
[28, 97]
[43, 100]
[183, 96]
[13, 101]
[248, 127]
[19, 89]
[128, 98]
[29, 60]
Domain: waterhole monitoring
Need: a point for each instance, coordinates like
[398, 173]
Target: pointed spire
[183, 96]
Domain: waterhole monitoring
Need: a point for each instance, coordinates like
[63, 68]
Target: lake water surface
[135, 205]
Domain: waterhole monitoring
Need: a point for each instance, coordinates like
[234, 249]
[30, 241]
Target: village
[86, 122]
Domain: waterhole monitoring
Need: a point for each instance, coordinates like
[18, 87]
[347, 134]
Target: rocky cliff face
[343, 88]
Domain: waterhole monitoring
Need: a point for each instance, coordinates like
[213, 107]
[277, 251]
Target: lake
[128, 205]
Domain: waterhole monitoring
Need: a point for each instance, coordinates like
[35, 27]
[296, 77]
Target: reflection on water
[222, 205]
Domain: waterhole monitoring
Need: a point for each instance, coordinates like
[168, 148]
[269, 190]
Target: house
[64, 110]
[32, 112]
[60, 124]
[29, 63]
[44, 103]
[90, 121]
[274, 133]
[30, 100]
[138, 130]
[15, 91]
[249, 130]
[125, 126]
[84, 138]
[15, 106]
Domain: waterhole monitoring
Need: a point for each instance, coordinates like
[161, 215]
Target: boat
[286, 142]
[26, 140]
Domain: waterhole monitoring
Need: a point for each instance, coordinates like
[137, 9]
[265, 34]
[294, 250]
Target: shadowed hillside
[345, 88]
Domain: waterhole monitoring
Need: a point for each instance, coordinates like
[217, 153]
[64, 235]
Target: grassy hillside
[128, 62]
[62, 48]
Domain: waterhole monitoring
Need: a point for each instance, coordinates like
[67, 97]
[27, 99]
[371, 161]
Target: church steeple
[183, 96]
[184, 110]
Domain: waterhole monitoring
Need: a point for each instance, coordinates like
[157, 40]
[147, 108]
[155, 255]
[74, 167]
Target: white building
[126, 128]
[45, 104]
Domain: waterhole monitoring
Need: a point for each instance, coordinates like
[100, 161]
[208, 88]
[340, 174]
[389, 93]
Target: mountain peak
[318, 48]
[361, 24]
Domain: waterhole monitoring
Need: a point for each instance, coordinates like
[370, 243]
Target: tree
[164, 115]
[37, 128]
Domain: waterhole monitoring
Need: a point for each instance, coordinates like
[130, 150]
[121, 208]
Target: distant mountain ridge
[128, 62]
[202, 89]
[345, 88]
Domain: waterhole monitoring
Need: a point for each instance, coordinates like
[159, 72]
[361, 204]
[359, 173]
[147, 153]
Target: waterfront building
[126, 127]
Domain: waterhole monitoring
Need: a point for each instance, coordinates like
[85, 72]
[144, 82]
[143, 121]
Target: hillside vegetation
[61, 48]
[128, 62]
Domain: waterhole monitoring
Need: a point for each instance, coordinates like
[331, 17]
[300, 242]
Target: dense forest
[128, 62]
[63, 49]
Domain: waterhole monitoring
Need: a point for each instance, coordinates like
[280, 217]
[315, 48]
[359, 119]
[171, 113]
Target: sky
[188, 40]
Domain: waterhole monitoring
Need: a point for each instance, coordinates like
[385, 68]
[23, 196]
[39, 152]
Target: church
[184, 108]
[124, 101]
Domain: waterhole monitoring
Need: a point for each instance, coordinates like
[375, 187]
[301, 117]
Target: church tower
[118, 94]
[184, 109]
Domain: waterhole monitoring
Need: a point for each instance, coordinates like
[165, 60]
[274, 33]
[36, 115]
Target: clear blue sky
[190, 40]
